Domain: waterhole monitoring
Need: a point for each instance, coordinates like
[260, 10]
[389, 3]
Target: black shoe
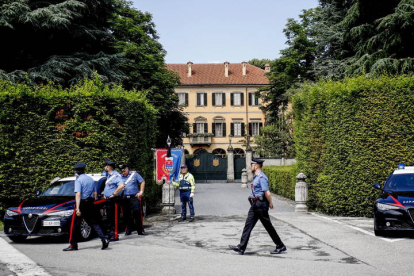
[182, 219]
[142, 233]
[71, 248]
[279, 249]
[128, 232]
[105, 243]
[114, 239]
[237, 249]
[191, 220]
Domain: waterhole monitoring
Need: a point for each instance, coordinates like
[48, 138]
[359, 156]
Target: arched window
[200, 151]
[219, 152]
[238, 152]
[186, 151]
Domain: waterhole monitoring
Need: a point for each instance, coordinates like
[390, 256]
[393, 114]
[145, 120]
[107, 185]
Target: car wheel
[18, 239]
[85, 230]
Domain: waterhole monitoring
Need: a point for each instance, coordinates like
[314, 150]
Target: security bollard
[301, 193]
[168, 199]
[244, 178]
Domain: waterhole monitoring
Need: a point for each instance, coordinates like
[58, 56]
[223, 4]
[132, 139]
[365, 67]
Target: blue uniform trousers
[185, 198]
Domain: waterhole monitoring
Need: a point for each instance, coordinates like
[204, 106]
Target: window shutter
[205, 99]
[194, 128]
[260, 128]
[213, 128]
[256, 100]
[243, 131]
[205, 128]
[250, 129]
[242, 99]
[250, 98]
[224, 99]
[214, 99]
[186, 99]
[224, 130]
[232, 129]
[232, 99]
[198, 99]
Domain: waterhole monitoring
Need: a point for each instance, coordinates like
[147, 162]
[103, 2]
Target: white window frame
[218, 98]
[181, 98]
[218, 129]
[237, 96]
[200, 127]
[202, 100]
[255, 128]
[237, 128]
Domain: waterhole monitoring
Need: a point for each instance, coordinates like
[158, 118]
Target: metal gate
[239, 165]
[207, 167]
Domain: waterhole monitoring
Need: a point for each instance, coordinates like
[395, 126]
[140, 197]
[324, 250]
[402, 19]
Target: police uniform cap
[183, 166]
[109, 162]
[79, 165]
[257, 161]
[123, 166]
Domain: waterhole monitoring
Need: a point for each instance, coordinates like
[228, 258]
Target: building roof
[213, 74]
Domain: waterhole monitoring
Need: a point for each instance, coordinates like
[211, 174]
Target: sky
[216, 31]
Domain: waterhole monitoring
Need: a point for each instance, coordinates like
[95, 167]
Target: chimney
[267, 68]
[244, 71]
[226, 69]
[189, 68]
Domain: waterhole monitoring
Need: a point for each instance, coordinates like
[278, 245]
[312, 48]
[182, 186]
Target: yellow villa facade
[220, 103]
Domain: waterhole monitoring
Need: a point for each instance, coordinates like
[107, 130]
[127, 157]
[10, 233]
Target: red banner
[162, 172]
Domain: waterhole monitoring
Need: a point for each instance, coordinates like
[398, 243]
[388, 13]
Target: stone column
[183, 158]
[301, 193]
[249, 154]
[168, 199]
[230, 165]
[244, 178]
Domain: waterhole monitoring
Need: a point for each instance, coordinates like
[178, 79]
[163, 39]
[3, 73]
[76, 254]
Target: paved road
[317, 245]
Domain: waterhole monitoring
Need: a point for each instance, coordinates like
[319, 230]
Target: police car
[50, 214]
[394, 210]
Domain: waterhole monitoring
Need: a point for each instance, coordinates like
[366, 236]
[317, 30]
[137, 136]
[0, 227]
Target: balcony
[198, 141]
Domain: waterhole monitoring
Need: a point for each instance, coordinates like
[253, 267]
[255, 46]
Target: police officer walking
[133, 193]
[85, 195]
[260, 201]
[113, 188]
[186, 185]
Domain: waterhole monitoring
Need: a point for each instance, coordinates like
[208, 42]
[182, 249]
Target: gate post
[301, 193]
[168, 199]
[230, 165]
[249, 154]
[244, 178]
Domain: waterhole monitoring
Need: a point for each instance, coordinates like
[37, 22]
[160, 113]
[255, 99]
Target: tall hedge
[45, 130]
[350, 135]
[282, 180]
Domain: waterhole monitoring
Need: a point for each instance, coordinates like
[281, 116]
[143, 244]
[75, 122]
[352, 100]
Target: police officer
[186, 186]
[85, 195]
[133, 193]
[113, 188]
[260, 201]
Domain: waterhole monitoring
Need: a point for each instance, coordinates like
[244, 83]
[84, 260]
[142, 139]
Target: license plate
[51, 223]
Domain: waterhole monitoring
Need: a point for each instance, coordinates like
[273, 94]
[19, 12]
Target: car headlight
[385, 207]
[11, 213]
[60, 213]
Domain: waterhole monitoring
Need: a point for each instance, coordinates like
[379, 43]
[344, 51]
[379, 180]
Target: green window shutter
[250, 99]
[260, 128]
[213, 128]
[205, 99]
[224, 99]
[242, 99]
[256, 100]
[243, 131]
[205, 128]
[194, 128]
[224, 130]
[186, 99]
[232, 129]
[250, 129]
[198, 99]
[214, 99]
[232, 99]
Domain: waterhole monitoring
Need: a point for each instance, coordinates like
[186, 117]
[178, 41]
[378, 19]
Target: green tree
[259, 62]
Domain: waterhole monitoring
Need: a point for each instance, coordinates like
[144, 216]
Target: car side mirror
[38, 192]
[377, 186]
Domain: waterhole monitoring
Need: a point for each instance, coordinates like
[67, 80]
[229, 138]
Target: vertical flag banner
[168, 168]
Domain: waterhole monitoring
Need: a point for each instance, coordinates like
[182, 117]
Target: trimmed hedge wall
[45, 130]
[350, 135]
[282, 180]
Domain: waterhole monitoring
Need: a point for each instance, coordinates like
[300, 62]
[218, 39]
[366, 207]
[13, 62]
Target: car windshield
[61, 188]
[400, 182]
